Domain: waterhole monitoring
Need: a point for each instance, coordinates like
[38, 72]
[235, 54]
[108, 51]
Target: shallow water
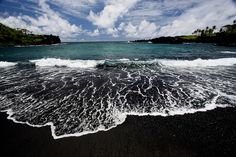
[82, 88]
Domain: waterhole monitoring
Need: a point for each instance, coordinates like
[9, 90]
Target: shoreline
[199, 134]
[123, 118]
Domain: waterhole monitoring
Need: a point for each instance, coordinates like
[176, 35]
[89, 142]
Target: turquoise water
[114, 50]
[82, 88]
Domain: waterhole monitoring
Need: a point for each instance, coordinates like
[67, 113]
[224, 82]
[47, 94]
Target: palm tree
[213, 29]
[202, 32]
[207, 30]
[221, 30]
[210, 31]
[199, 31]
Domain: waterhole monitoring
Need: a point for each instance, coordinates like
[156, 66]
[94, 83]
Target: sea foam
[122, 118]
[6, 64]
[83, 64]
[104, 101]
[228, 52]
[199, 62]
[50, 62]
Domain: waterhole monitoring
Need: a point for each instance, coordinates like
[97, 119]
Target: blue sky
[90, 20]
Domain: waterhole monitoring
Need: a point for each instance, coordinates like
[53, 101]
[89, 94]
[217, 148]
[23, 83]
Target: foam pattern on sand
[78, 102]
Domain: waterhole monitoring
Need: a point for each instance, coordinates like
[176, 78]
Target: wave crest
[127, 63]
[228, 52]
[49, 62]
[199, 62]
[6, 64]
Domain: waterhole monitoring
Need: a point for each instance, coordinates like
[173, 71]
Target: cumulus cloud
[111, 12]
[207, 13]
[49, 22]
[162, 11]
[144, 30]
[78, 8]
[118, 18]
[95, 33]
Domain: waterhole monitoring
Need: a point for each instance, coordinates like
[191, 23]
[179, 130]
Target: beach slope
[211, 133]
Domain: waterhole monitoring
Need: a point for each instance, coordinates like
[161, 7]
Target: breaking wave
[199, 62]
[86, 64]
[78, 102]
[49, 62]
[6, 64]
[228, 52]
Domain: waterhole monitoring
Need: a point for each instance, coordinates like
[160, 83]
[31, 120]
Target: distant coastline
[23, 37]
[226, 36]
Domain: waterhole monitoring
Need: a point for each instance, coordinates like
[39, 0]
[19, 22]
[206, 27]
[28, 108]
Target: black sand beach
[211, 133]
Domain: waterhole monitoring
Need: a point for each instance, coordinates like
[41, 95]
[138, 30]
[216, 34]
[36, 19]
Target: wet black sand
[211, 133]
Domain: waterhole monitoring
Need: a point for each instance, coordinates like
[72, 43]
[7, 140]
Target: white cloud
[112, 31]
[120, 18]
[207, 13]
[144, 30]
[95, 33]
[49, 22]
[112, 11]
[78, 8]
[158, 10]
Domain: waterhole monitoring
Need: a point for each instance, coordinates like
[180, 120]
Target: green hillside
[11, 37]
[226, 36]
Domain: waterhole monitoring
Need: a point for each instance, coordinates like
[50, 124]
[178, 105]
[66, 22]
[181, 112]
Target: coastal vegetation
[226, 36]
[11, 37]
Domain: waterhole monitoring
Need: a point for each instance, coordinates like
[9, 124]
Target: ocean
[83, 88]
